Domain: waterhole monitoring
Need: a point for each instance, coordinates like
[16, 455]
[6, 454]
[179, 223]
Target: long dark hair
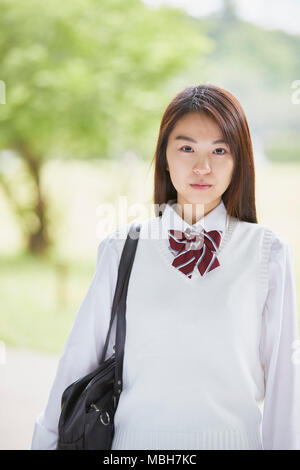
[225, 109]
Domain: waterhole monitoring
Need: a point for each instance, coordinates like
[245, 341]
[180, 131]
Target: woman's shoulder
[117, 237]
[271, 236]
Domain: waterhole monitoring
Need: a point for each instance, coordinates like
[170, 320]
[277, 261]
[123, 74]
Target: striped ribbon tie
[195, 248]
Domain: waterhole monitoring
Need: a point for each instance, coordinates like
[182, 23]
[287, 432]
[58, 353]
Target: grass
[39, 302]
[37, 312]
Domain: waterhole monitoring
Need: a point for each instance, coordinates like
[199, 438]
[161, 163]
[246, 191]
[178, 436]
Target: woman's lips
[201, 186]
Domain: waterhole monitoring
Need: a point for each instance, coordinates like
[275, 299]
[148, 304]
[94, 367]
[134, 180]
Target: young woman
[211, 322]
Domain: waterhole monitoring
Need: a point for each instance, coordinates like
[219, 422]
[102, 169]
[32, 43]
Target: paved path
[25, 381]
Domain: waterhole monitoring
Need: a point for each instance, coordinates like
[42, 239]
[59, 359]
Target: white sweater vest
[192, 376]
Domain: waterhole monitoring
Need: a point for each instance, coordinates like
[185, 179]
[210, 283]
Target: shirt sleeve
[280, 353]
[84, 345]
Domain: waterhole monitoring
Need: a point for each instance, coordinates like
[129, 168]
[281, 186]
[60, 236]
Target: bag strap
[125, 265]
[129, 256]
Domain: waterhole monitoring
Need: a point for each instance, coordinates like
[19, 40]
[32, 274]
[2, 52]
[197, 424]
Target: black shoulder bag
[88, 405]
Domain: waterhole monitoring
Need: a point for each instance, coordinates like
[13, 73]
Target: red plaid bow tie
[195, 248]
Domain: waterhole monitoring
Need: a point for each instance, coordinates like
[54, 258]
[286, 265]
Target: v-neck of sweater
[163, 246]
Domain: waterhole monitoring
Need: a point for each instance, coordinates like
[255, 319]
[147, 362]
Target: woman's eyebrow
[185, 137]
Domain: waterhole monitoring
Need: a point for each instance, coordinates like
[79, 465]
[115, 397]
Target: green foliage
[86, 78]
[36, 318]
[271, 54]
[258, 66]
[286, 148]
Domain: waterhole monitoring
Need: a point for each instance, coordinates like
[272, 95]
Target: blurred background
[83, 85]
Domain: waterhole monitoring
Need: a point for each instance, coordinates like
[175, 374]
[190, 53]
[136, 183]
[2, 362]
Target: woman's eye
[186, 146]
[221, 149]
[190, 149]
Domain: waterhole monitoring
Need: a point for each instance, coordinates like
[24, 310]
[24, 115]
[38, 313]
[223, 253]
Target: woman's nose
[203, 169]
[201, 165]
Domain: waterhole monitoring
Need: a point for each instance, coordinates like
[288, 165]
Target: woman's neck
[192, 213]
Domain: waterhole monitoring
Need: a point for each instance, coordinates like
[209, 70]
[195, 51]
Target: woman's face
[194, 156]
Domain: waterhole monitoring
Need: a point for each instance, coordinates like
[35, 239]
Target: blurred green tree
[259, 66]
[84, 79]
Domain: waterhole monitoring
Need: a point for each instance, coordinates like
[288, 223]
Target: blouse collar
[215, 220]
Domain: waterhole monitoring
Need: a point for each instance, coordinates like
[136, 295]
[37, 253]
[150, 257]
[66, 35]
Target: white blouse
[280, 353]
[279, 346]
